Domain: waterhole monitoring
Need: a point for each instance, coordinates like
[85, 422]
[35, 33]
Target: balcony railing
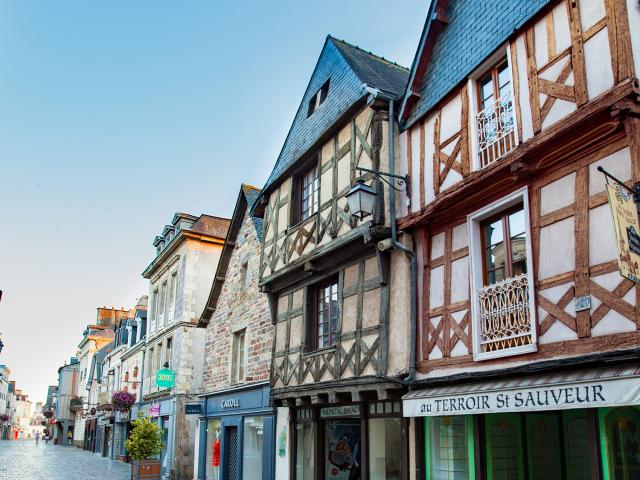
[505, 321]
[496, 136]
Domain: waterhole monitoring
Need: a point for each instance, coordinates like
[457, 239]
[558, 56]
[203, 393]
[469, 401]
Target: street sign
[165, 378]
[193, 409]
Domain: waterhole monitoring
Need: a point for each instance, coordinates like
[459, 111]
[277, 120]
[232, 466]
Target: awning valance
[602, 387]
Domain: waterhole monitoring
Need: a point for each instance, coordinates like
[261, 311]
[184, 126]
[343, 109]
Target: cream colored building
[180, 277]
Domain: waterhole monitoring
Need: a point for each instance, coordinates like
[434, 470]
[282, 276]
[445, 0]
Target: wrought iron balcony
[505, 320]
[496, 135]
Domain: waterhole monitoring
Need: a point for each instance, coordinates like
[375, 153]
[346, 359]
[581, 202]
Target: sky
[115, 115]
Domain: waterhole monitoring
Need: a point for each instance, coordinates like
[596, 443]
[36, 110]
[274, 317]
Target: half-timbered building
[337, 353]
[528, 338]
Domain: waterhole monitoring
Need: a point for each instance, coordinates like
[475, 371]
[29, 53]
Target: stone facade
[240, 306]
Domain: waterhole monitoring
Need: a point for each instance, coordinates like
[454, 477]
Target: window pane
[516, 223]
[578, 444]
[213, 449]
[543, 446]
[449, 448]
[385, 448]
[504, 446]
[519, 254]
[253, 448]
[486, 92]
[342, 447]
[493, 232]
[305, 451]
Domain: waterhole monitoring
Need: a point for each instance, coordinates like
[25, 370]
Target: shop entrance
[342, 446]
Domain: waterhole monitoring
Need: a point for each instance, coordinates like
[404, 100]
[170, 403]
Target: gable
[472, 31]
[345, 89]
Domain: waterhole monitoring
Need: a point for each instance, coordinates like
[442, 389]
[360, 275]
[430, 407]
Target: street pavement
[24, 460]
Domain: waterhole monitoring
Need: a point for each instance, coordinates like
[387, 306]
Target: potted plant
[75, 404]
[123, 401]
[144, 445]
[48, 414]
[4, 417]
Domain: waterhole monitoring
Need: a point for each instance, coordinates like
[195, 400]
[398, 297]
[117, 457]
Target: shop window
[495, 120]
[324, 314]
[238, 362]
[503, 303]
[342, 446]
[579, 444]
[504, 446]
[214, 449]
[450, 448]
[385, 448]
[305, 450]
[622, 426]
[543, 446]
[253, 448]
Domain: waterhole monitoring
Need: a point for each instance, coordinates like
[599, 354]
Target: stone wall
[240, 306]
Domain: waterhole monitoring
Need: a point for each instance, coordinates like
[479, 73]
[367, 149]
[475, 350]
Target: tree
[144, 441]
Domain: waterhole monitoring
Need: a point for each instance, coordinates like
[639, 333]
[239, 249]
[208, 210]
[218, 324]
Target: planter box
[145, 469]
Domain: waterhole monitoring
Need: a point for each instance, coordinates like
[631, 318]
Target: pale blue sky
[114, 115]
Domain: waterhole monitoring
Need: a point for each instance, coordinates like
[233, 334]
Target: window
[305, 193]
[238, 356]
[622, 426]
[150, 361]
[325, 314]
[245, 275]
[135, 372]
[305, 446]
[167, 352]
[503, 305]
[159, 356]
[162, 303]
[253, 439]
[172, 296]
[154, 308]
[449, 444]
[318, 98]
[495, 121]
[505, 252]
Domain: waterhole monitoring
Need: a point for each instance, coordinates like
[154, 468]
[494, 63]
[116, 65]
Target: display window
[621, 442]
[212, 469]
[449, 446]
[253, 448]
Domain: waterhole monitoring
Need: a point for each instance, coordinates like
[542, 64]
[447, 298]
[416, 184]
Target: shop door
[544, 448]
[231, 465]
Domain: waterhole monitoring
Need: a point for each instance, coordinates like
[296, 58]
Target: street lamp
[362, 198]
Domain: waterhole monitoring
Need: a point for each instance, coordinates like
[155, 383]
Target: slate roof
[350, 70]
[251, 194]
[475, 30]
[210, 225]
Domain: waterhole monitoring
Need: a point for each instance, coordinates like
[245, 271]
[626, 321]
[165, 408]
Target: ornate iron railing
[496, 136]
[505, 321]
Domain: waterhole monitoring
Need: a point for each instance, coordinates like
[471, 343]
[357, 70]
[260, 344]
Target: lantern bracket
[402, 181]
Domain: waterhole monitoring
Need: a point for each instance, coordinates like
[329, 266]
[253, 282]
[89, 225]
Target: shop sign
[165, 378]
[154, 410]
[193, 409]
[230, 403]
[341, 411]
[592, 394]
[627, 229]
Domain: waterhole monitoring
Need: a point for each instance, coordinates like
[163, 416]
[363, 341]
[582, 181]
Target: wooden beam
[532, 70]
[581, 229]
[577, 53]
[516, 94]
[436, 154]
[551, 36]
[421, 180]
[464, 132]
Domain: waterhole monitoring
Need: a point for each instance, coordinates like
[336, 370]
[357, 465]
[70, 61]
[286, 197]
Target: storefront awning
[603, 387]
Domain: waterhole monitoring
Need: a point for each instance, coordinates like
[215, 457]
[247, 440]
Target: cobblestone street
[24, 460]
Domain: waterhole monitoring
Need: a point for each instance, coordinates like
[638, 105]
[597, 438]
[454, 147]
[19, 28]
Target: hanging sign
[165, 378]
[154, 410]
[627, 228]
[193, 409]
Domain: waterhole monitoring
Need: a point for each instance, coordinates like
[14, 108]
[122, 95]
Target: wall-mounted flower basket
[75, 404]
[48, 414]
[122, 401]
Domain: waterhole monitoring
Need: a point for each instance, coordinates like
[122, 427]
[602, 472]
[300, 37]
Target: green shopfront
[576, 425]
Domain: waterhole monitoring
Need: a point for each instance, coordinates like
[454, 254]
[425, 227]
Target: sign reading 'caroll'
[558, 397]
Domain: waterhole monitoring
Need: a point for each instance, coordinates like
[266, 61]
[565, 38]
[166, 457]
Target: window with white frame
[172, 296]
[162, 302]
[238, 363]
[154, 310]
[495, 120]
[503, 301]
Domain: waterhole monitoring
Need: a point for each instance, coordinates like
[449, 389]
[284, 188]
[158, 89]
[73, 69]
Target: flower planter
[145, 469]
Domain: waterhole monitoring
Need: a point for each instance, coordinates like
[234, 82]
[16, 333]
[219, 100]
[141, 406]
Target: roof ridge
[247, 185]
[369, 52]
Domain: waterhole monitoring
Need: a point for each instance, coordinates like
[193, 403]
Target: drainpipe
[400, 246]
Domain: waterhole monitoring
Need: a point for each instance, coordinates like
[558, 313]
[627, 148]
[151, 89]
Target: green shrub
[144, 442]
